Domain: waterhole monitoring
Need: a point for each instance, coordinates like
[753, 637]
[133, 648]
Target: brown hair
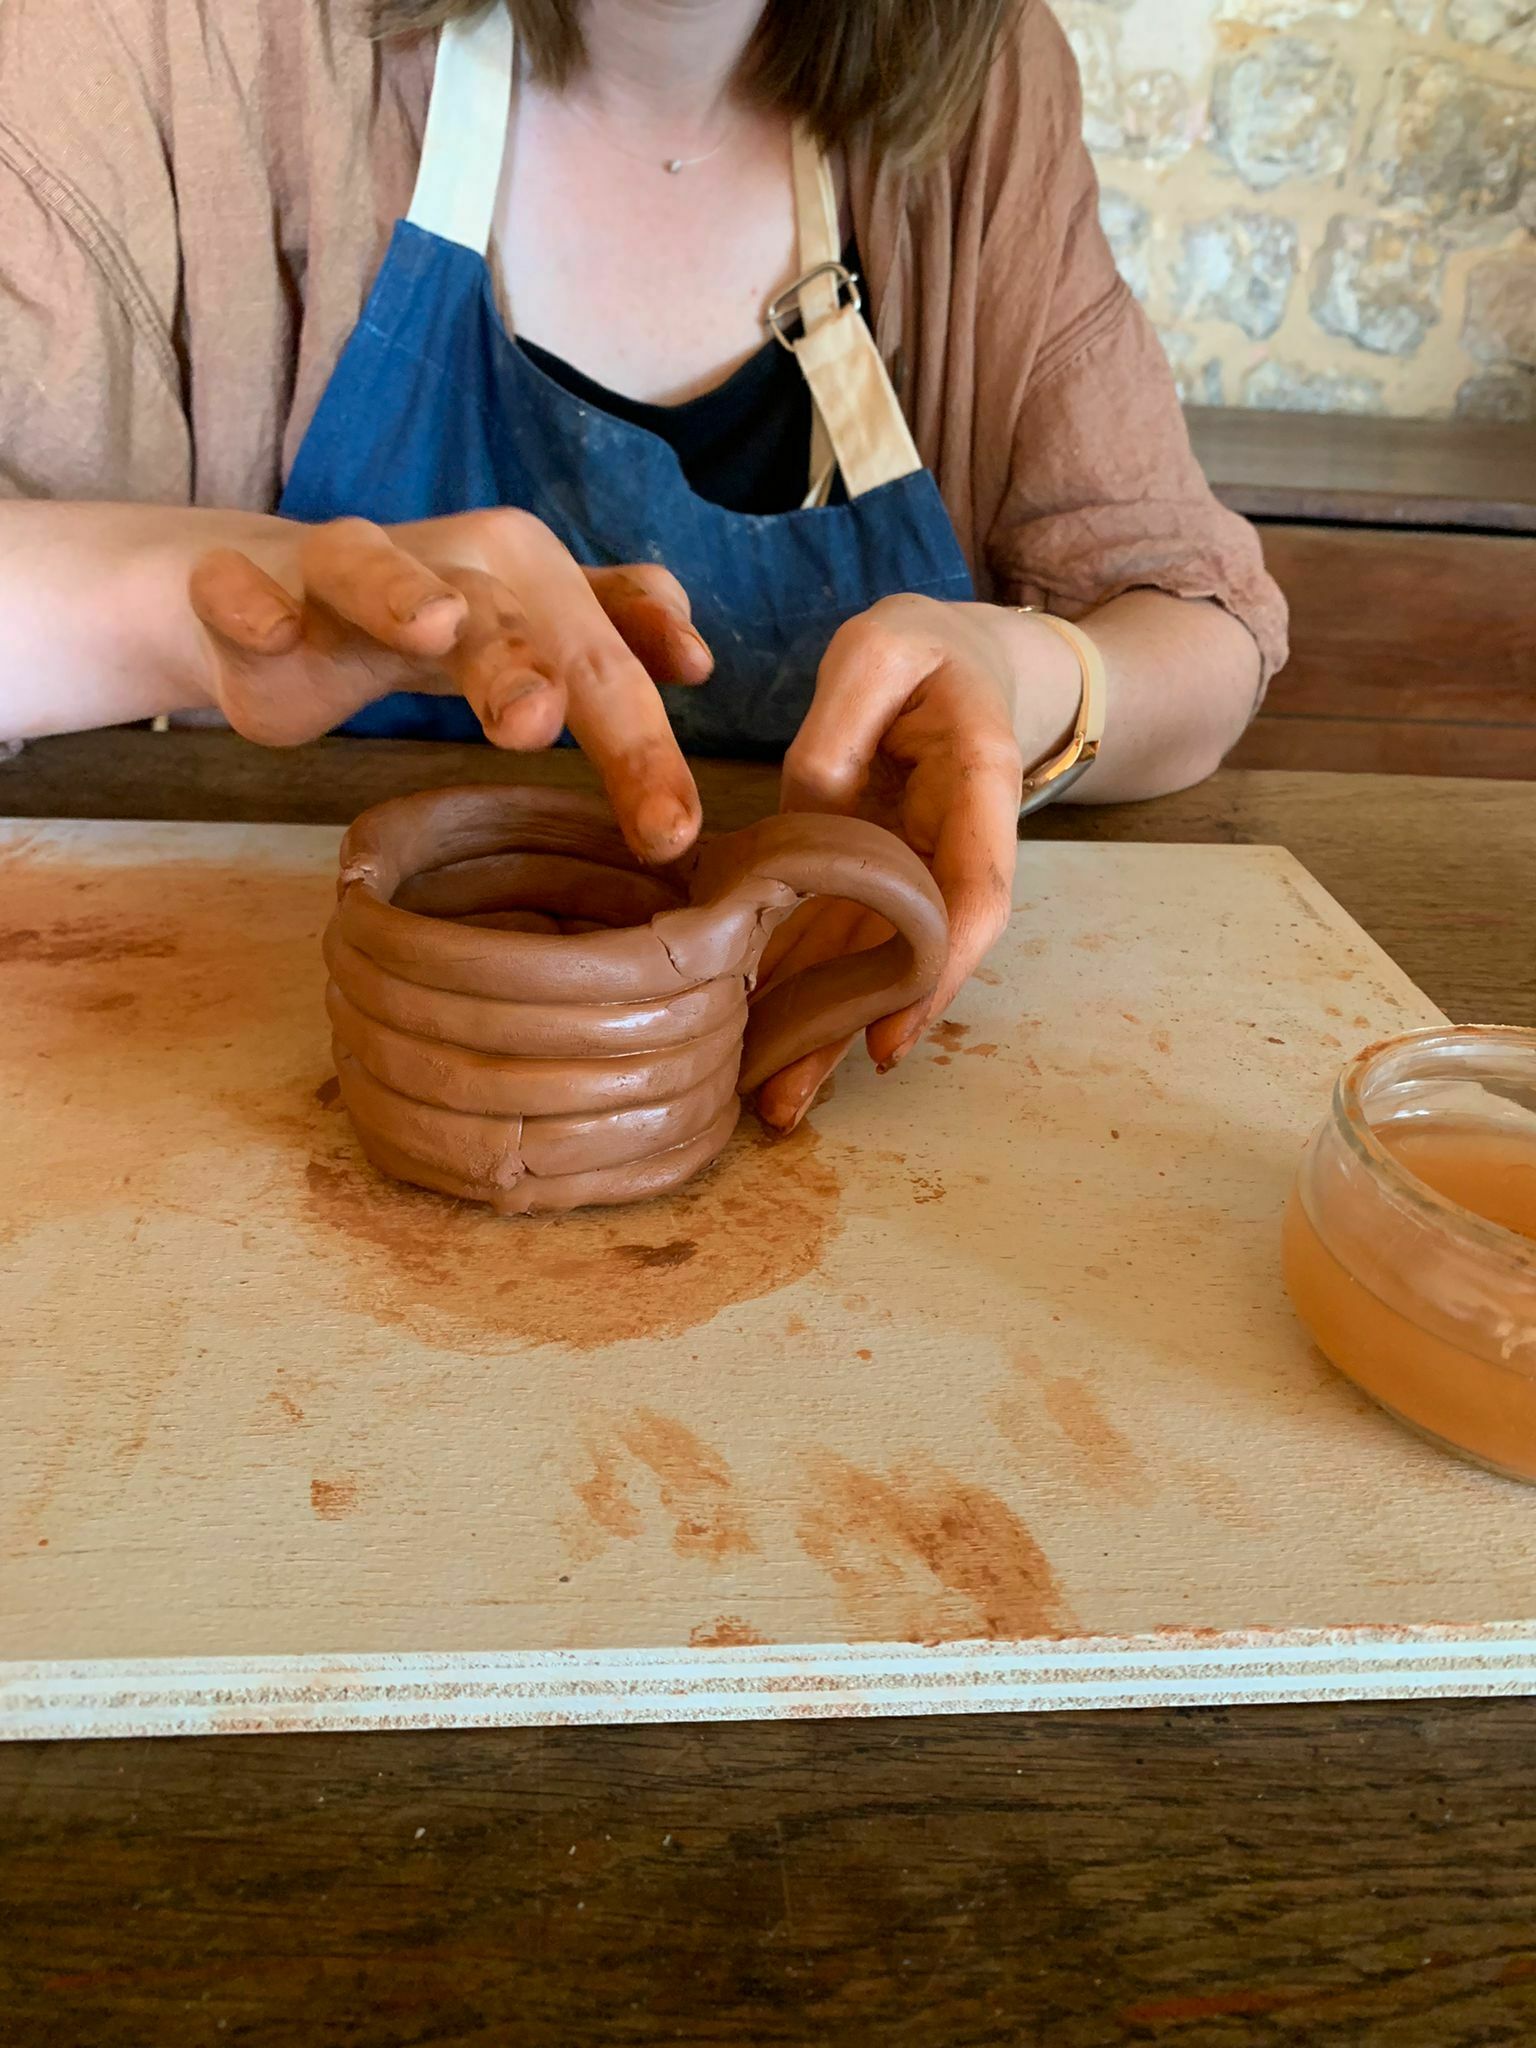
[910, 71]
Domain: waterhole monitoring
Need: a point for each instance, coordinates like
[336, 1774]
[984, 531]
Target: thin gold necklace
[670, 164]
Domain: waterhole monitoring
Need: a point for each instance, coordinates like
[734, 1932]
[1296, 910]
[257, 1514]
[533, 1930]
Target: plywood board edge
[253, 1695]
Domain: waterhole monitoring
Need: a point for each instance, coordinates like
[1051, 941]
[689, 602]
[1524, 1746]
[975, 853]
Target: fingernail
[266, 619]
[776, 1127]
[895, 1059]
[515, 687]
[700, 642]
[520, 684]
[407, 606]
[660, 822]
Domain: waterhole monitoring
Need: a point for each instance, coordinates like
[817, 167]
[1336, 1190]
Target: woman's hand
[924, 717]
[310, 623]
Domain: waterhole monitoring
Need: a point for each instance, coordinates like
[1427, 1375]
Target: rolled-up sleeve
[1104, 494]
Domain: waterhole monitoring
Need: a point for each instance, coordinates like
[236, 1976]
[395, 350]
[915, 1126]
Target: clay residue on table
[129, 989]
[604, 1494]
[660, 1257]
[948, 1556]
[949, 1035]
[726, 1632]
[650, 1454]
[123, 989]
[91, 939]
[333, 1498]
[153, 955]
[459, 1277]
[1108, 1453]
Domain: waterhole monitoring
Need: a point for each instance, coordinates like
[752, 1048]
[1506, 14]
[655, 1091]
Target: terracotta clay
[525, 1016]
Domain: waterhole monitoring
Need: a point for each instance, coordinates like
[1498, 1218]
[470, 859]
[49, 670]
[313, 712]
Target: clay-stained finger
[783, 1101]
[866, 676]
[354, 569]
[243, 604]
[270, 687]
[616, 714]
[497, 668]
[785, 935]
[650, 610]
[612, 706]
[841, 927]
[827, 930]
[973, 863]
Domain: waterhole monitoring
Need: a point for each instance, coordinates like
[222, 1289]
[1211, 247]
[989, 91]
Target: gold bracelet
[1056, 775]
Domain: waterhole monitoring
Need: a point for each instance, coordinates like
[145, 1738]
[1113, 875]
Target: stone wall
[1326, 205]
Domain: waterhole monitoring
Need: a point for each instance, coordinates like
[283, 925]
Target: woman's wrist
[1043, 678]
[97, 608]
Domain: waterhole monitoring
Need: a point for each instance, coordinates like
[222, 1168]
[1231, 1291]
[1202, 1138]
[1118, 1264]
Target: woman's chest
[653, 283]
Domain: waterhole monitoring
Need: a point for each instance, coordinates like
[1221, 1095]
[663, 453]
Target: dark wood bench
[1407, 549]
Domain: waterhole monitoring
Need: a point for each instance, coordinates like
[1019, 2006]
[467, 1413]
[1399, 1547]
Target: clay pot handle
[861, 863]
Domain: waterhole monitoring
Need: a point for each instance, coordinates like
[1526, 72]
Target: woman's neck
[667, 63]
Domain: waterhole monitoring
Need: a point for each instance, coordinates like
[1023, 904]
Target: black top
[745, 446]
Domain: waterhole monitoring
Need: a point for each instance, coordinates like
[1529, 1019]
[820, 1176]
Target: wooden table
[1407, 551]
[1317, 1875]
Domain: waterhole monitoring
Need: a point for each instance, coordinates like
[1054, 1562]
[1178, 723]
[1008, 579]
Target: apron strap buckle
[786, 306]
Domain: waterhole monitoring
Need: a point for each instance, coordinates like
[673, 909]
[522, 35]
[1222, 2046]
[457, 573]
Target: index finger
[614, 710]
[975, 852]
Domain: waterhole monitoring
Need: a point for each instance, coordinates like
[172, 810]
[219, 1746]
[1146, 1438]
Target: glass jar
[1410, 1239]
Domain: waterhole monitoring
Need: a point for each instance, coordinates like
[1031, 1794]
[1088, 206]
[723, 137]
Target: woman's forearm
[1183, 680]
[95, 623]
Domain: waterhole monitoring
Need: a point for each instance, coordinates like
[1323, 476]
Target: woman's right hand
[309, 623]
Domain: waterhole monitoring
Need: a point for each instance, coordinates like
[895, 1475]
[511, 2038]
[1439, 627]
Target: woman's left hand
[922, 717]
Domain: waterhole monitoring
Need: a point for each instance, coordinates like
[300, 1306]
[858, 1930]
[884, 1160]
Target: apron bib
[433, 409]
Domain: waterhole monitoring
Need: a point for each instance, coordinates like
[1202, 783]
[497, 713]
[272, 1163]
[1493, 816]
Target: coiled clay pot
[524, 1015]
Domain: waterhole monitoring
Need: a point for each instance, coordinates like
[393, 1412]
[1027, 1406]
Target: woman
[211, 344]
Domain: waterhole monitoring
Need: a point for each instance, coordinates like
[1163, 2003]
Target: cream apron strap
[823, 462]
[815, 223]
[461, 152]
[818, 242]
[857, 421]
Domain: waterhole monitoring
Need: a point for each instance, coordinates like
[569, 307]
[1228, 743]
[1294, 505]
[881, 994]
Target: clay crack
[672, 960]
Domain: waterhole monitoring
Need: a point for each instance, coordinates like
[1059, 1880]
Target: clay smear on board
[648, 1457]
[926, 1555]
[459, 1277]
[949, 1036]
[333, 1498]
[127, 1007]
[129, 996]
[1110, 1457]
[727, 1631]
[1108, 1463]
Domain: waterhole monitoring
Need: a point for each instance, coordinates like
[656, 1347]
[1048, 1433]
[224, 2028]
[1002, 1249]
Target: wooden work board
[981, 1392]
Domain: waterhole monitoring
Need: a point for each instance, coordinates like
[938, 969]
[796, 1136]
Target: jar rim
[1481, 1233]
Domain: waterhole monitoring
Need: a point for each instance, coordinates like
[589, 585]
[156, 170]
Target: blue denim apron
[433, 409]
